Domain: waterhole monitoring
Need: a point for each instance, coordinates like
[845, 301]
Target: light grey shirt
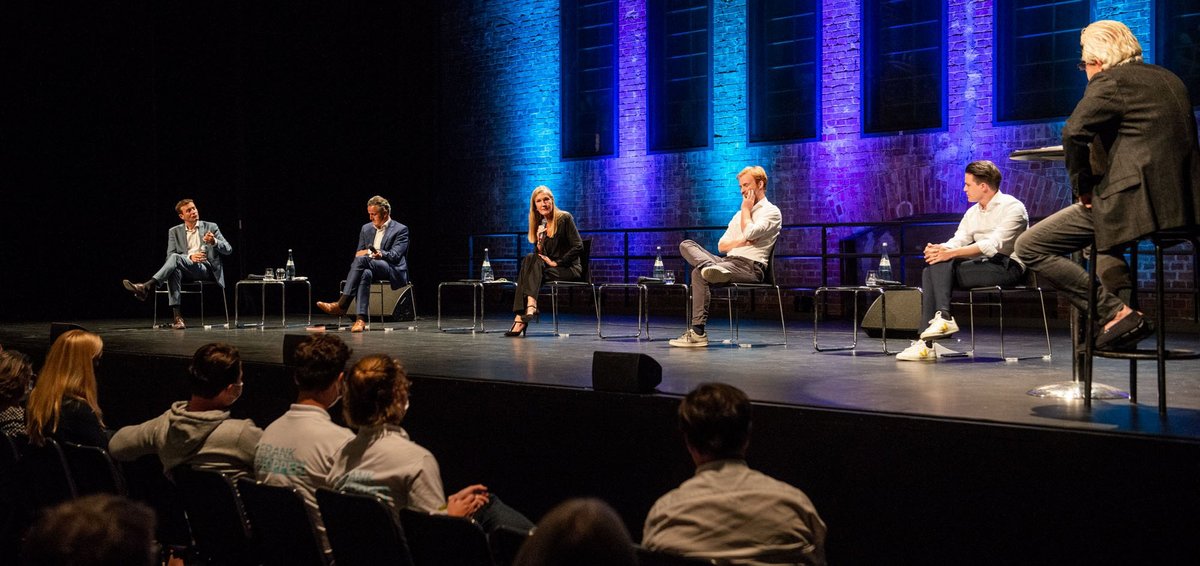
[732, 513]
[382, 461]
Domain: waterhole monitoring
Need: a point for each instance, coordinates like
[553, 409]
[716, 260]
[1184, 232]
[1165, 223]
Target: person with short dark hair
[97, 530]
[728, 511]
[298, 449]
[194, 249]
[578, 532]
[1133, 158]
[15, 374]
[980, 254]
[198, 432]
[381, 255]
[381, 460]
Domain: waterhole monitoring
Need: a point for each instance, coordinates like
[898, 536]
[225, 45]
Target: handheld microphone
[542, 231]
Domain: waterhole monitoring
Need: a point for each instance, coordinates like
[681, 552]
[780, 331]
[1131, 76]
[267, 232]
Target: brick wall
[499, 73]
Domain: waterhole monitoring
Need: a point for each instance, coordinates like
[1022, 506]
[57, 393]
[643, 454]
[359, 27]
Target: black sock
[151, 284]
[178, 313]
[698, 329]
[344, 301]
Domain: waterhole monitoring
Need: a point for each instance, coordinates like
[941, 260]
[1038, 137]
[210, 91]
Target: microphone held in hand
[541, 233]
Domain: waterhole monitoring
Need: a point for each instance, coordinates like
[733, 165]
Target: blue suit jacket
[177, 244]
[394, 248]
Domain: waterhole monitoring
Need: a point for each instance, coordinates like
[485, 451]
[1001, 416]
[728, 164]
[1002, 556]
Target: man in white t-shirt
[747, 244]
[299, 448]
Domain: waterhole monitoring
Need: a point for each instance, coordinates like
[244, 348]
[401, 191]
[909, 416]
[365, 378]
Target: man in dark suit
[382, 247]
[1134, 163]
[194, 248]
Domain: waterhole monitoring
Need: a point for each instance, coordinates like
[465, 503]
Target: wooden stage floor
[983, 389]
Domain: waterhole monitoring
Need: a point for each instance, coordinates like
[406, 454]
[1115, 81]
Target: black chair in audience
[648, 557]
[442, 540]
[146, 482]
[505, 542]
[216, 516]
[93, 470]
[13, 514]
[362, 530]
[285, 534]
[43, 471]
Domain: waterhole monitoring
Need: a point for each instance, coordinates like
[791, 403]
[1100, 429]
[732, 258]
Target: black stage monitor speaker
[624, 372]
[57, 328]
[903, 315]
[290, 341]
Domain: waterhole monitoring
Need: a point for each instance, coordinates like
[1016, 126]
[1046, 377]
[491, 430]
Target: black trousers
[939, 279]
[534, 272]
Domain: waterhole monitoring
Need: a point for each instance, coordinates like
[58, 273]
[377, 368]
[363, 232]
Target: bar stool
[1160, 354]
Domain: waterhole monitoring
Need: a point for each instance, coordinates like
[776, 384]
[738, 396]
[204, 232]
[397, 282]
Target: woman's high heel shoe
[513, 332]
[529, 313]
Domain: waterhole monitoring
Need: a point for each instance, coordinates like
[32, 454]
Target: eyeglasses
[1083, 65]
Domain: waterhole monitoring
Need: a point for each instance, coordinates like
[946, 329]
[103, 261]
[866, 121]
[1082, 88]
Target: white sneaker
[939, 328]
[716, 274]
[919, 351]
[690, 340]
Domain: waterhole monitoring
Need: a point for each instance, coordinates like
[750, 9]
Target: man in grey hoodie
[198, 432]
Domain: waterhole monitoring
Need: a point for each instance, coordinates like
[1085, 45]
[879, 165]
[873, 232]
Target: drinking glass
[669, 277]
[270, 274]
[279, 273]
[871, 278]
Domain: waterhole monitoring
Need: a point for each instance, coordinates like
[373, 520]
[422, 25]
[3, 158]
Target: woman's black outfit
[564, 248]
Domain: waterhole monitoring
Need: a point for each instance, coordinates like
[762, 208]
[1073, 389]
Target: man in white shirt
[980, 254]
[747, 244]
[727, 511]
[299, 448]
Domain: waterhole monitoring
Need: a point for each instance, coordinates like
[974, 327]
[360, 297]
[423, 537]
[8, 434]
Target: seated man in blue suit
[382, 247]
[194, 248]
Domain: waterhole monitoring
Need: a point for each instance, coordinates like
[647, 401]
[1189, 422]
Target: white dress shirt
[762, 230]
[994, 229]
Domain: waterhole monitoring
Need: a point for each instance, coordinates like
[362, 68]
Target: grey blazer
[1141, 117]
[177, 244]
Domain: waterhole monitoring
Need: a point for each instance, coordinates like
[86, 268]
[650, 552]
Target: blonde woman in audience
[63, 404]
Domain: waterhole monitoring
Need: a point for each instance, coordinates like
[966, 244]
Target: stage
[945, 462]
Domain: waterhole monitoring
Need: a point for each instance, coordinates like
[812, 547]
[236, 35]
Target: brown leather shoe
[138, 289]
[178, 324]
[359, 326]
[331, 308]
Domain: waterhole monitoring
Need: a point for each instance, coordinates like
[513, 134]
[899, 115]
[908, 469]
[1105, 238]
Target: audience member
[728, 511]
[97, 530]
[63, 405]
[298, 449]
[15, 375]
[579, 532]
[381, 460]
[199, 432]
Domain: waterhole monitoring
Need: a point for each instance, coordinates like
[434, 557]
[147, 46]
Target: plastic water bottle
[485, 273]
[289, 269]
[885, 265]
[659, 271]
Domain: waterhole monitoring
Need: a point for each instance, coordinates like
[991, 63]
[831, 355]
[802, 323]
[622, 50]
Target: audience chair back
[147, 483]
[505, 542]
[13, 515]
[282, 528]
[362, 530]
[93, 470]
[648, 557]
[216, 516]
[442, 540]
[43, 469]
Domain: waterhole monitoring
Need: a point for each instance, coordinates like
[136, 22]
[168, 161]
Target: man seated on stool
[979, 255]
[746, 244]
[382, 247]
[1134, 163]
[193, 248]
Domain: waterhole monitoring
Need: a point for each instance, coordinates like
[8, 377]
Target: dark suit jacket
[1141, 116]
[177, 244]
[394, 248]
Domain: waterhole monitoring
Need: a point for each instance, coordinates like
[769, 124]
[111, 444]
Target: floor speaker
[290, 341]
[625, 372]
[903, 315]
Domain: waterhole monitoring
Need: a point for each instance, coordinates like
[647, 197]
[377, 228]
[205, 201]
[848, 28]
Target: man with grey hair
[979, 254]
[382, 247]
[1134, 163]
